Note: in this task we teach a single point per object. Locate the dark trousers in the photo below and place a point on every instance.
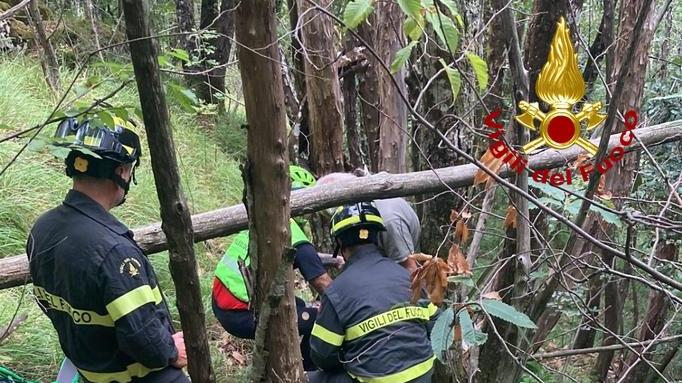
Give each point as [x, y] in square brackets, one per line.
[242, 324]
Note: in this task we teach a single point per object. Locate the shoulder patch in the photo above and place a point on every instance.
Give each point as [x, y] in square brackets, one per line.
[130, 266]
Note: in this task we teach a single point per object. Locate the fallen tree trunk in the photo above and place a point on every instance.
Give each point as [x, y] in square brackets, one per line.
[229, 220]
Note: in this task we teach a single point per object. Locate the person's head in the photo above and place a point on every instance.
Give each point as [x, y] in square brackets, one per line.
[355, 224]
[102, 160]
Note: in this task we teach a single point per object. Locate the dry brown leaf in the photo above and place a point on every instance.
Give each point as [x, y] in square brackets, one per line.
[601, 189]
[421, 257]
[457, 261]
[491, 162]
[461, 234]
[492, 295]
[510, 218]
[583, 159]
[454, 215]
[433, 276]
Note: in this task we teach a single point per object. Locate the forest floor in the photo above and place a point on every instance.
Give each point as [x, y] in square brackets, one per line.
[208, 152]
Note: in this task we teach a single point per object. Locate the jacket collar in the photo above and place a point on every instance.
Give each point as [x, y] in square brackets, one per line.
[91, 208]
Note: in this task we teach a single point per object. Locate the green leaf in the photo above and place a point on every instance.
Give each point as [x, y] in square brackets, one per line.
[184, 96]
[93, 81]
[86, 151]
[164, 61]
[401, 57]
[480, 68]
[5, 127]
[453, 77]
[470, 335]
[573, 207]
[463, 279]
[180, 54]
[411, 8]
[549, 190]
[445, 30]
[356, 12]
[138, 113]
[60, 151]
[106, 118]
[413, 29]
[121, 113]
[507, 313]
[442, 335]
[452, 7]
[36, 145]
[607, 216]
[549, 201]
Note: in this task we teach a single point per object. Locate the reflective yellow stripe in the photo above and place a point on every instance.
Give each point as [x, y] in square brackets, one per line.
[133, 299]
[432, 309]
[135, 370]
[356, 219]
[387, 318]
[403, 376]
[79, 317]
[327, 336]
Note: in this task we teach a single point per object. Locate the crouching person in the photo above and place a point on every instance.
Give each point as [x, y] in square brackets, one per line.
[231, 295]
[367, 330]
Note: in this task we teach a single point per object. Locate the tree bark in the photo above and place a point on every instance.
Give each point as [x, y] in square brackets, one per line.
[325, 104]
[226, 221]
[90, 13]
[368, 91]
[219, 19]
[601, 43]
[278, 357]
[653, 322]
[175, 215]
[184, 11]
[48, 60]
[620, 178]
[350, 104]
[393, 117]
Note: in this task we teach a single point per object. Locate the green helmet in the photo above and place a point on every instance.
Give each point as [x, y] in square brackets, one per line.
[300, 178]
[356, 224]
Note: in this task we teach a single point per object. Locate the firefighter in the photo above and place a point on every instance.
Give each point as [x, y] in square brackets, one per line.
[91, 278]
[231, 295]
[403, 229]
[367, 330]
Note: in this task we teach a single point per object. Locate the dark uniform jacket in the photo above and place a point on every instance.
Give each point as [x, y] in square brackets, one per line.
[101, 294]
[367, 325]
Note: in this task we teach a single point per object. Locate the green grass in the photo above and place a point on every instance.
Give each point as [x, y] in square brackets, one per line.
[36, 183]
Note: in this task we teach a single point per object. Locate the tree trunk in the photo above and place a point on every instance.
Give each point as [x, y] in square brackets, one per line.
[587, 331]
[303, 147]
[619, 179]
[653, 322]
[49, 58]
[184, 11]
[278, 357]
[393, 118]
[230, 220]
[369, 94]
[175, 214]
[546, 14]
[90, 13]
[601, 43]
[665, 361]
[349, 77]
[325, 104]
[219, 19]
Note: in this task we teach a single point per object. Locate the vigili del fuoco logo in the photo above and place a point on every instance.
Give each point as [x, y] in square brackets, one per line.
[560, 84]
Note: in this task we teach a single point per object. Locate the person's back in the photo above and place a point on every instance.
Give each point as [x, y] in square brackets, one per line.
[367, 329]
[403, 229]
[90, 277]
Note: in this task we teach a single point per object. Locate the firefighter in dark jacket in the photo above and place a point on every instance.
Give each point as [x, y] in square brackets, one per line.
[91, 278]
[367, 330]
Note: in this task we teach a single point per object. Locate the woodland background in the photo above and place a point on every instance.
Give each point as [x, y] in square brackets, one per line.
[396, 86]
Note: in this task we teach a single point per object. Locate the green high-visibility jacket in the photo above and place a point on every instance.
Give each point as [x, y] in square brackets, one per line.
[228, 268]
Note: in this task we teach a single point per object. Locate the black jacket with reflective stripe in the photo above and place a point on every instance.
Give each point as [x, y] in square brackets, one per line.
[101, 294]
[367, 325]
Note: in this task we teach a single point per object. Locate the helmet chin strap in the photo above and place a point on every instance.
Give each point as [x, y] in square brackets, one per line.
[125, 185]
